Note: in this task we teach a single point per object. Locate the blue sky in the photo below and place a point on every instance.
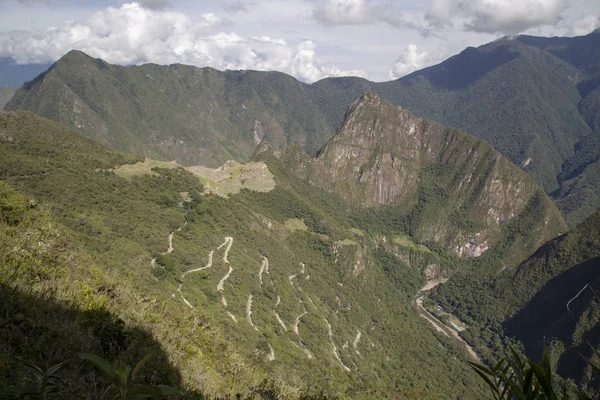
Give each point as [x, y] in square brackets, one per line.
[309, 39]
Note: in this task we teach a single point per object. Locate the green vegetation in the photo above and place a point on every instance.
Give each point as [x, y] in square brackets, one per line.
[86, 263]
[516, 378]
[128, 171]
[295, 224]
[406, 241]
[535, 100]
[122, 379]
[528, 304]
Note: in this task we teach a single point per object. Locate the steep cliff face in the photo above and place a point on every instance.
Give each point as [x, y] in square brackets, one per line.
[457, 189]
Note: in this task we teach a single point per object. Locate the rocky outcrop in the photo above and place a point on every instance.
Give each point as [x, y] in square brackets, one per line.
[459, 189]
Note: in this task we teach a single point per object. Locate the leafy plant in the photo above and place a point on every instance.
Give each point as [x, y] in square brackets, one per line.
[519, 378]
[122, 379]
[46, 379]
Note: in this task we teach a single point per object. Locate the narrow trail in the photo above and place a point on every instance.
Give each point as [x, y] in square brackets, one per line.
[222, 281]
[183, 298]
[304, 349]
[170, 249]
[335, 349]
[277, 315]
[291, 279]
[231, 316]
[271, 356]
[228, 241]
[437, 324]
[356, 341]
[249, 312]
[297, 322]
[208, 265]
[264, 268]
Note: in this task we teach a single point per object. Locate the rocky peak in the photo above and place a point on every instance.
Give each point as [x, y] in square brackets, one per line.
[384, 155]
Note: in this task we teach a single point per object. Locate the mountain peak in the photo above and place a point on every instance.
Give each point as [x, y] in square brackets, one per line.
[383, 155]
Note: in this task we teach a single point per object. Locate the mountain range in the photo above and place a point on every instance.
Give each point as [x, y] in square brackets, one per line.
[533, 99]
[264, 238]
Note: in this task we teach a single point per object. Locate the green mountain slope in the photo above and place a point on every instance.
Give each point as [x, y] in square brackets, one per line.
[454, 189]
[531, 98]
[262, 293]
[193, 115]
[550, 299]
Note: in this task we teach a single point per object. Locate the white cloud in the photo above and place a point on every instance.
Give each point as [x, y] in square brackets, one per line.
[495, 16]
[585, 25]
[133, 34]
[344, 12]
[365, 12]
[155, 4]
[235, 7]
[306, 65]
[409, 61]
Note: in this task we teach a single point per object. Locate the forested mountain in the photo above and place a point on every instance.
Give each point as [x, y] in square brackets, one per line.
[290, 248]
[279, 286]
[533, 99]
[454, 189]
[550, 300]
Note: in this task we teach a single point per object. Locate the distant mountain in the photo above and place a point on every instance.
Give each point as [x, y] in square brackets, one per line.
[6, 93]
[533, 99]
[192, 115]
[14, 74]
[457, 190]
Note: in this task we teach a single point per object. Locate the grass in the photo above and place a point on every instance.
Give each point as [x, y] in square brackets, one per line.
[295, 224]
[406, 241]
[347, 242]
[357, 232]
[224, 181]
[128, 171]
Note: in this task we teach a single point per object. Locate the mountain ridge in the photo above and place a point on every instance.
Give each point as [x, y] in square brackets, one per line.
[384, 156]
[525, 102]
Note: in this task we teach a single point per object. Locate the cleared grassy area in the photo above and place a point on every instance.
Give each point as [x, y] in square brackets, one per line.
[347, 242]
[223, 181]
[128, 171]
[295, 224]
[357, 231]
[406, 241]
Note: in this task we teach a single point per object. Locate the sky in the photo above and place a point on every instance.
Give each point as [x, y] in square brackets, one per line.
[308, 39]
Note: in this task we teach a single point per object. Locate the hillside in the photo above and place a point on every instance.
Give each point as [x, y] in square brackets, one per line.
[193, 115]
[273, 292]
[549, 299]
[531, 98]
[453, 189]
[6, 93]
